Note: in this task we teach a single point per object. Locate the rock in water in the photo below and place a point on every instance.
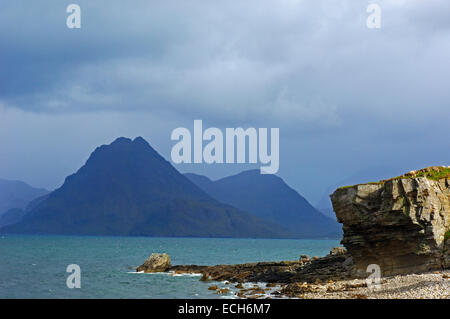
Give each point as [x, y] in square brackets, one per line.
[401, 224]
[156, 263]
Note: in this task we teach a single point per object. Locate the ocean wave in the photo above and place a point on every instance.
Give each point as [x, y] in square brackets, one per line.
[170, 273]
[187, 275]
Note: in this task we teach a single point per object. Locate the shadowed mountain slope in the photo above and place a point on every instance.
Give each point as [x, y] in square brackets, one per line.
[269, 197]
[127, 188]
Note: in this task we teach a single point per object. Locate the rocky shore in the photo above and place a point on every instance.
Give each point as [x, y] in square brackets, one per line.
[328, 277]
[330, 267]
[432, 285]
[400, 226]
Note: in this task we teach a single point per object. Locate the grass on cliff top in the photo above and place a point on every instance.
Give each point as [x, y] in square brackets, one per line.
[447, 235]
[434, 173]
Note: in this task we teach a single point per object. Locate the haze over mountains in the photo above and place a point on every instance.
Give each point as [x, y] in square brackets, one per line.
[127, 188]
[269, 197]
[17, 194]
[14, 197]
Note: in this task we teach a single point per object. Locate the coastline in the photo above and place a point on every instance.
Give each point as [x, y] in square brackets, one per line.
[328, 277]
[428, 285]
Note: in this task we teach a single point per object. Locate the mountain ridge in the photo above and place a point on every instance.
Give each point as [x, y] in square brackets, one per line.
[269, 197]
[127, 188]
[16, 194]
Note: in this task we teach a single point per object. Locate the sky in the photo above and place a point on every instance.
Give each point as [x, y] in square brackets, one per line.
[346, 98]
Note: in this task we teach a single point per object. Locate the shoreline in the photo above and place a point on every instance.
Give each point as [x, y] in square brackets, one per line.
[428, 285]
[328, 277]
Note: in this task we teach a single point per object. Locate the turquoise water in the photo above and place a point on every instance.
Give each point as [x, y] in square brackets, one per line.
[35, 266]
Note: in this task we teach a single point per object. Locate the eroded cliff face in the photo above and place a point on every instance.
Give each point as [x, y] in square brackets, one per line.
[399, 224]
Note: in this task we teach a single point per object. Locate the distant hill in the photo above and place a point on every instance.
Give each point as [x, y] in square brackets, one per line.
[127, 188]
[269, 197]
[11, 216]
[17, 194]
[15, 215]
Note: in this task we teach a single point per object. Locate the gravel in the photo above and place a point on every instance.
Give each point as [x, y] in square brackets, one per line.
[434, 285]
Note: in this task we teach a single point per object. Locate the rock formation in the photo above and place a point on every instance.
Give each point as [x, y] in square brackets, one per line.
[337, 265]
[401, 224]
[155, 263]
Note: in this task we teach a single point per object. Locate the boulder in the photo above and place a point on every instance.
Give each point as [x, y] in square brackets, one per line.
[338, 251]
[155, 263]
[398, 224]
[304, 258]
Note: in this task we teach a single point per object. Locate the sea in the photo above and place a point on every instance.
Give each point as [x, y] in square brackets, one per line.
[36, 266]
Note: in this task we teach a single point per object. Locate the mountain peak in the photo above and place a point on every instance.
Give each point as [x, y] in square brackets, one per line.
[121, 140]
[141, 140]
[126, 140]
[127, 188]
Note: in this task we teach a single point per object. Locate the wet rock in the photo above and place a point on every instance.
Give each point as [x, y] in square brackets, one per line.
[251, 272]
[334, 267]
[257, 291]
[223, 291]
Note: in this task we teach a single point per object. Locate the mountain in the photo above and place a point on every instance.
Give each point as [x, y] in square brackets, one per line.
[17, 194]
[127, 188]
[269, 197]
[11, 216]
[14, 215]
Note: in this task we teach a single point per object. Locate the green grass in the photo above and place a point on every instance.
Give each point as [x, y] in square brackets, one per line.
[434, 173]
[447, 235]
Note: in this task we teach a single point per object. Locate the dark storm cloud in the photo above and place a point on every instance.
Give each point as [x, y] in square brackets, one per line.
[307, 61]
[337, 90]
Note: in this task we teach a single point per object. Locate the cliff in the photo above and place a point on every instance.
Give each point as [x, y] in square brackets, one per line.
[401, 224]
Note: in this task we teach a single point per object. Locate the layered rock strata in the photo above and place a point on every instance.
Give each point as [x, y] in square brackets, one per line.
[401, 224]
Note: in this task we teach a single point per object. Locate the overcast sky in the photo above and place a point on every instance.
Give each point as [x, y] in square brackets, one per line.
[346, 98]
